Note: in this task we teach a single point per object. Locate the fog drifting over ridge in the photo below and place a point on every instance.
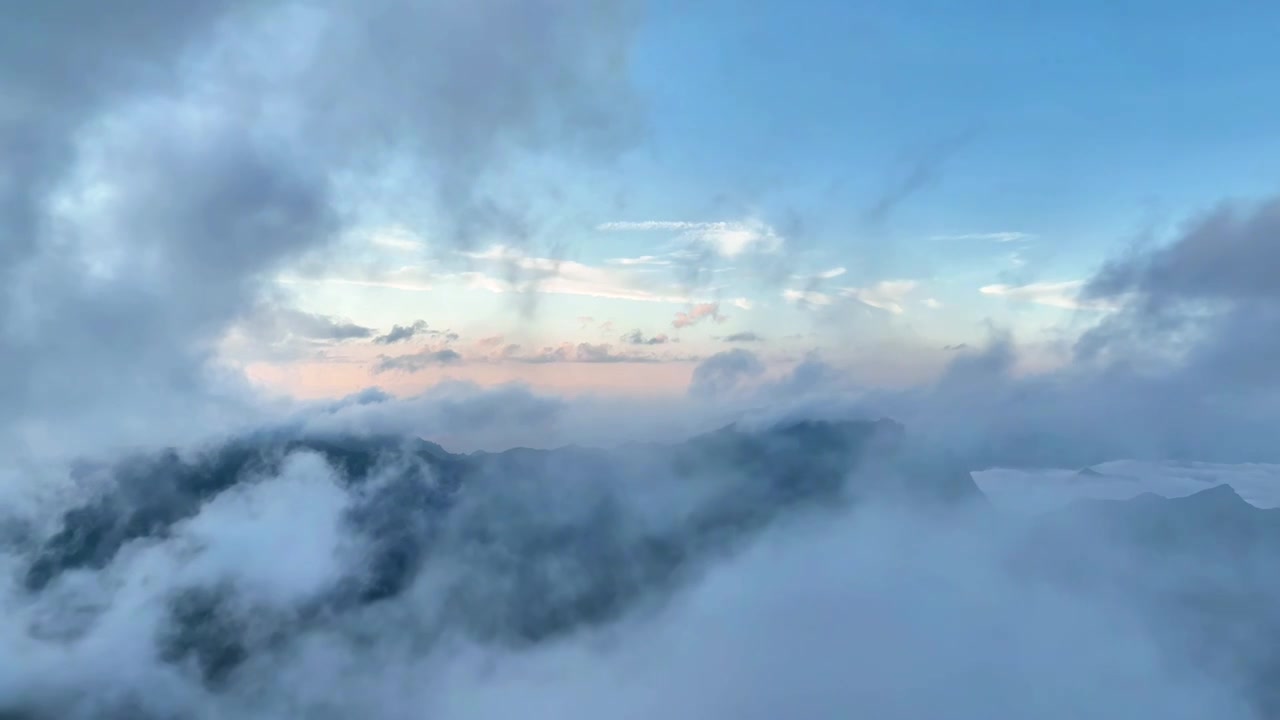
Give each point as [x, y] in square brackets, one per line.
[175, 542]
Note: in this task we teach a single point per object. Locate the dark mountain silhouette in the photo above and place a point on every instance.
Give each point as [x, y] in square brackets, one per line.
[504, 513]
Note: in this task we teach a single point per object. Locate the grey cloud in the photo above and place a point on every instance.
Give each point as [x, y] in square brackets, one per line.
[279, 322]
[417, 362]
[637, 337]
[723, 372]
[581, 353]
[744, 337]
[400, 333]
[148, 202]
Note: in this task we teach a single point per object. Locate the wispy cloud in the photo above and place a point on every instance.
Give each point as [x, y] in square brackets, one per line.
[562, 277]
[1000, 237]
[727, 239]
[1064, 294]
[580, 353]
[395, 238]
[887, 295]
[806, 297]
[743, 337]
[409, 278]
[641, 260]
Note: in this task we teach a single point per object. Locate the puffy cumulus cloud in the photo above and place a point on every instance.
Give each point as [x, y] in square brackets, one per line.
[698, 313]
[146, 205]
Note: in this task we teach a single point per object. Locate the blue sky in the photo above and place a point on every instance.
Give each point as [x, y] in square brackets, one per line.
[874, 180]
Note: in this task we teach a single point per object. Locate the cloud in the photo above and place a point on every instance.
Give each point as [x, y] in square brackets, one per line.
[1000, 237]
[742, 303]
[641, 260]
[418, 361]
[698, 313]
[887, 295]
[1065, 295]
[587, 353]
[561, 277]
[400, 333]
[636, 337]
[153, 201]
[271, 322]
[726, 238]
[743, 337]
[723, 372]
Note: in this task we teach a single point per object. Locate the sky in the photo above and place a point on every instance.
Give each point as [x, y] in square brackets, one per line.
[879, 183]
[1043, 216]
[1038, 237]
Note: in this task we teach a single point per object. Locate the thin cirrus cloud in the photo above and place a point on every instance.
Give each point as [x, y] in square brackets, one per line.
[1065, 295]
[562, 277]
[728, 239]
[886, 295]
[1000, 237]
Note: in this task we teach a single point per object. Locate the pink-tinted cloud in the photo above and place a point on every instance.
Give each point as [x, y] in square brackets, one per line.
[699, 312]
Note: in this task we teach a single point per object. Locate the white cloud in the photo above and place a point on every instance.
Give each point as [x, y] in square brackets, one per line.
[887, 295]
[726, 238]
[410, 278]
[931, 303]
[806, 297]
[742, 303]
[562, 277]
[1002, 237]
[395, 237]
[1064, 294]
[642, 260]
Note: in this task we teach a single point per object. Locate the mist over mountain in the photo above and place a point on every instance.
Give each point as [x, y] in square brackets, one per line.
[472, 359]
[184, 583]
